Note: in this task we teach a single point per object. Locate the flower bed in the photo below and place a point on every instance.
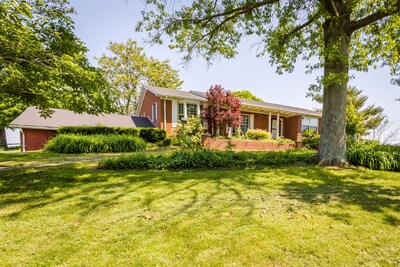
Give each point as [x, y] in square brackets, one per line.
[249, 145]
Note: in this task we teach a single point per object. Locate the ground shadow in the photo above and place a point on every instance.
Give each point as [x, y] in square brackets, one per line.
[38, 187]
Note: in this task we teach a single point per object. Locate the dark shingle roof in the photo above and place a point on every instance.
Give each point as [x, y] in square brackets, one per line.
[266, 105]
[142, 122]
[173, 93]
[31, 118]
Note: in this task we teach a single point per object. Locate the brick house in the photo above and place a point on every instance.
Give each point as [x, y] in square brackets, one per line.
[35, 130]
[165, 107]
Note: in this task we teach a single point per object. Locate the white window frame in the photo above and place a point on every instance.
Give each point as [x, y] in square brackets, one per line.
[309, 123]
[185, 105]
[154, 112]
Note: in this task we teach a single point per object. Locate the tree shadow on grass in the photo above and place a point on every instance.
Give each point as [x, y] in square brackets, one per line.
[360, 188]
[95, 189]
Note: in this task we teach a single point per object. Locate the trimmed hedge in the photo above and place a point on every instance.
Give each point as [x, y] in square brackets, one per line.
[152, 135]
[72, 143]
[208, 159]
[95, 130]
[374, 156]
[258, 134]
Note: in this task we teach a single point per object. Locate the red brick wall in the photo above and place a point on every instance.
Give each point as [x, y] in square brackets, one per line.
[36, 139]
[169, 115]
[261, 121]
[292, 127]
[250, 145]
[148, 102]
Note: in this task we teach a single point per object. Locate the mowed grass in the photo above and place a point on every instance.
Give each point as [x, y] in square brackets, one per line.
[78, 215]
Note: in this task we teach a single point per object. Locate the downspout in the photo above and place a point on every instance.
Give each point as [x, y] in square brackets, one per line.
[23, 141]
[165, 113]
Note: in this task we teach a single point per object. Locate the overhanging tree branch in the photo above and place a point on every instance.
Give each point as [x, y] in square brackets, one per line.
[358, 24]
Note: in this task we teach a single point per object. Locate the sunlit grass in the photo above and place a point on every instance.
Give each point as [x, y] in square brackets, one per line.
[80, 215]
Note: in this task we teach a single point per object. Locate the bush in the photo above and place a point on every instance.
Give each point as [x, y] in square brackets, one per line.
[165, 142]
[153, 135]
[310, 138]
[95, 130]
[208, 159]
[258, 134]
[374, 156]
[281, 141]
[72, 143]
[188, 135]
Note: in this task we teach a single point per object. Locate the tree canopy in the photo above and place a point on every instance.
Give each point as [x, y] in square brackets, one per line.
[340, 34]
[128, 68]
[360, 119]
[43, 63]
[246, 94]
[222, 108]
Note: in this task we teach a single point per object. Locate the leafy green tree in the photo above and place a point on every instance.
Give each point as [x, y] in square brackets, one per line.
[360, 120]
[128, 68]
[341, 34]
[246, 94]
[43, 63]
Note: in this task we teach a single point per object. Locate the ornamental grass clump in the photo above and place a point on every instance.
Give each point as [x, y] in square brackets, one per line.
[70, 143]
[374, 156]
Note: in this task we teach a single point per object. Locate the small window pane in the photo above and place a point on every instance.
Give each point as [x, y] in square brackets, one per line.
[191, 110]
[180, 111]
[244, 126]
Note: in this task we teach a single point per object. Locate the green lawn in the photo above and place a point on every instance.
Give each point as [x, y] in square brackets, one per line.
[77, 214]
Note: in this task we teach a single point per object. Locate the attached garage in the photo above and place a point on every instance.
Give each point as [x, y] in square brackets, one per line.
[36, 130]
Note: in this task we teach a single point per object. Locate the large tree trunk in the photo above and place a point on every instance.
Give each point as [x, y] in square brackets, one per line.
[333, 133]
[3, 140]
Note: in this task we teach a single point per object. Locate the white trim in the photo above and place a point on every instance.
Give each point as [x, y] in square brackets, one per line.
[269, 122]
[141, 99]
[34, 127]
[23, 143]
[251, 121]
[198, 109]
[185, 109]
[278, 125]
[174, 113]
[165, 113]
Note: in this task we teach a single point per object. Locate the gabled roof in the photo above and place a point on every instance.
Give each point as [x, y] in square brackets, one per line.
[31, 119]
[158, 91]
[247, 105]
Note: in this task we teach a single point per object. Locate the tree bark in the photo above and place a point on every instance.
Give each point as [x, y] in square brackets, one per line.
[3, 139]
[332, 150]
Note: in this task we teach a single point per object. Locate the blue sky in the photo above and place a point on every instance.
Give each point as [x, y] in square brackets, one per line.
[98, 22]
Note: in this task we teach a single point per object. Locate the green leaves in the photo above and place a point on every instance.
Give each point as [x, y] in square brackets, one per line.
[43, 63]
[128, 67]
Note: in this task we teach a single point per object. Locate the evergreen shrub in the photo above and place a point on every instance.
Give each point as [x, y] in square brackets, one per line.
[208, 159]
[258, 134]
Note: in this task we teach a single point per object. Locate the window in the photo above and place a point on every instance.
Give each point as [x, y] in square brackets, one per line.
[244, 126]
[309, 123]
[191, 110]
[154, 112]
[180, 111]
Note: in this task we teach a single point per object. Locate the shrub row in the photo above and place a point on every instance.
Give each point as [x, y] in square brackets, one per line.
[151, 135]
[70, 143]
[208, 159]
[374, 156]
[94, 130]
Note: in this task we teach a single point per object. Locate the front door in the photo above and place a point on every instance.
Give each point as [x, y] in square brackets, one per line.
[274, 128]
